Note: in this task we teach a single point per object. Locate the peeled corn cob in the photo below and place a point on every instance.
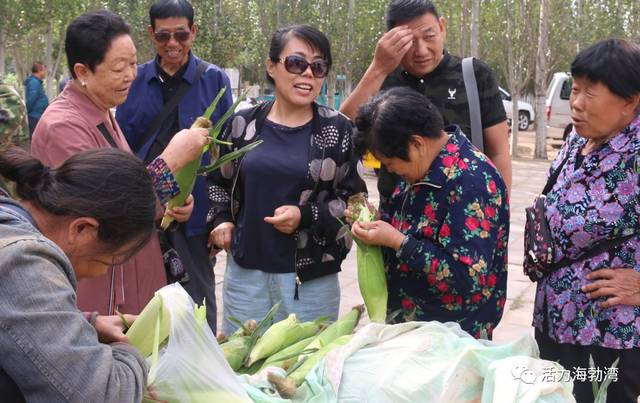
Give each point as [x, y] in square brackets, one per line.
[371, 276]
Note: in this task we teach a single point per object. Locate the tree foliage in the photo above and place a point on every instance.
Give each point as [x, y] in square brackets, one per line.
[236, 33]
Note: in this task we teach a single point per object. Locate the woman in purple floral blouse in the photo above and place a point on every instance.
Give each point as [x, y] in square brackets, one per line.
[446, 226]
[592, 305]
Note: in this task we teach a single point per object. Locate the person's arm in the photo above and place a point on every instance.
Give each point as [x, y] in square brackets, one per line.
[496, 147]
[466, 243]
[390, 50]
[49, 349]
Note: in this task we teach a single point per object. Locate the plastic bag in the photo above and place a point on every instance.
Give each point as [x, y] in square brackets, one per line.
[192, 368]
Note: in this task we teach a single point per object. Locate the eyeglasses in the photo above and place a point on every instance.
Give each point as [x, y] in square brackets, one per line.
[165, 36]
[295, 64]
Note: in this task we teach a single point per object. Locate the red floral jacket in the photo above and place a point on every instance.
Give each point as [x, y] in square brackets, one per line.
[454, 265]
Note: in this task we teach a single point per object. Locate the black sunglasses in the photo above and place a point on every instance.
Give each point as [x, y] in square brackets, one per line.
[295, 64]
[165, 36]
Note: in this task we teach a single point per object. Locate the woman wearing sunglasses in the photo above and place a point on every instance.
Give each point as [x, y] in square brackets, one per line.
[276, 210]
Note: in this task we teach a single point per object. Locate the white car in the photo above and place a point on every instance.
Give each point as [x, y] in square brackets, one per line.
[526, 115]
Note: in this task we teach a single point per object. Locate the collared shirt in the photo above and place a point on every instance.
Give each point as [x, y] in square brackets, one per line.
[453, 267]
[145, 102]
[444, 87]
[592, 202]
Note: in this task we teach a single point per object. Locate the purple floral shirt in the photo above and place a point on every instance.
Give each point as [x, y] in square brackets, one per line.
[591, 203]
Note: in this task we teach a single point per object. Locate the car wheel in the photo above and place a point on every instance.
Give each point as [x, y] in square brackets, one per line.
[523, 120]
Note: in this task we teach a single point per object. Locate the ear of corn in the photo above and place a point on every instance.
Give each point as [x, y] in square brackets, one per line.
[288, 356]
[278, 336]
[186, 177]
[287, 387]
[372, 280]
[341, 327]
[141, 333]
[235, 350]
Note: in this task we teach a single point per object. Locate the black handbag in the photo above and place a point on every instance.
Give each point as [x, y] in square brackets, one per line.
[539, 249]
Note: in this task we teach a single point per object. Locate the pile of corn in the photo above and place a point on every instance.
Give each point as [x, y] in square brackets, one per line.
[289, 344]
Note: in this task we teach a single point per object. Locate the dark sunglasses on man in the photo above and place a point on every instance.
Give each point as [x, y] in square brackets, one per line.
[295, 64]
[165, 36]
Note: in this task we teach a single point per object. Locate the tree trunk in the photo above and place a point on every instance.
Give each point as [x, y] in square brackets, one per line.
[3, 57]
[475, 28]
[331, 89]
[464, 32]
[541, 82]
[48, 61]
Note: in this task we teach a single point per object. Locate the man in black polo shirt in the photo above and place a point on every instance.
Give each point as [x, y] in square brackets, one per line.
[412, 54]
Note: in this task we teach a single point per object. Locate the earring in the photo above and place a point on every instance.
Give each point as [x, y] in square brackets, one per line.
[82, 83]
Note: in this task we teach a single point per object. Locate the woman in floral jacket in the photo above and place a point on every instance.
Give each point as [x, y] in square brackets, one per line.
[445, 227]
[591, 305]
[276, 209]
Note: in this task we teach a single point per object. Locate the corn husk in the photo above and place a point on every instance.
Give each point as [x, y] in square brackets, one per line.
[186, 177]
[287, 387]
[141, 334]
[285, 358]
[281, 335]
[235, 350]
[372, 279]
[341, 327]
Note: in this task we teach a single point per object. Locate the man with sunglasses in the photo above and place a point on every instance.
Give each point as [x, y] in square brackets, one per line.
[168, 94]
[411, 53]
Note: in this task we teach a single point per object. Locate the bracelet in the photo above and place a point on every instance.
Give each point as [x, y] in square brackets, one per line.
[92, 318]
[404, 242]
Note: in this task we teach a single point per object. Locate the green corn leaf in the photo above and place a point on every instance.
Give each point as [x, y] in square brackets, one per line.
[228, 158]
[212, 107]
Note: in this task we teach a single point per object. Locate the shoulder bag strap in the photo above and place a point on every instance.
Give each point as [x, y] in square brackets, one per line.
[471, 87]
[168, 108]
[554, 176]
[107, 135]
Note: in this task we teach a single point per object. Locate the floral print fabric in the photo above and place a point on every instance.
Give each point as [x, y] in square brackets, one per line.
[453, 266]
[592, 202]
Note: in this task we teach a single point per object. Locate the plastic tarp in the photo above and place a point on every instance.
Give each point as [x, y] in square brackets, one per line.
[424, 362]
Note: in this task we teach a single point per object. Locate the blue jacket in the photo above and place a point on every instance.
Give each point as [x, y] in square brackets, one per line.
[145, 102]
[35, 97]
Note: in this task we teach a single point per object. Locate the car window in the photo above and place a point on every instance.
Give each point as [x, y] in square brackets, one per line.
[565, 92]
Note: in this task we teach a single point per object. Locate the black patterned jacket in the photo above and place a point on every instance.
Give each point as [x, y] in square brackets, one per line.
[334, 174]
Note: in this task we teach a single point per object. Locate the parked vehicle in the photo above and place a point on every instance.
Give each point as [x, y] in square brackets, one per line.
[526, 115]
[557, 103]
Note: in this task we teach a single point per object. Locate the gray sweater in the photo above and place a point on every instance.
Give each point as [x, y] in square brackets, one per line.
[48, 350]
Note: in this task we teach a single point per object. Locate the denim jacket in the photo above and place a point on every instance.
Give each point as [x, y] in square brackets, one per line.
[50, 352]
[334, 174]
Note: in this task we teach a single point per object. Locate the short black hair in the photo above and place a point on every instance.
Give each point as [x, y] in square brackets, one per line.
[170, 8]
[615, 62]
[37, 66]
[386, 122]
[401, 11]
[89, 38]
[312, 36]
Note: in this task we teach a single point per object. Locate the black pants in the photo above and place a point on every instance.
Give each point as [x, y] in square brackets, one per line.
[195, 258]
[570, 356]
[33, 122]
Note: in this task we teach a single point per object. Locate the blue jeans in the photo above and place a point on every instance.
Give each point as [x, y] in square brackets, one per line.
[249, 294]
